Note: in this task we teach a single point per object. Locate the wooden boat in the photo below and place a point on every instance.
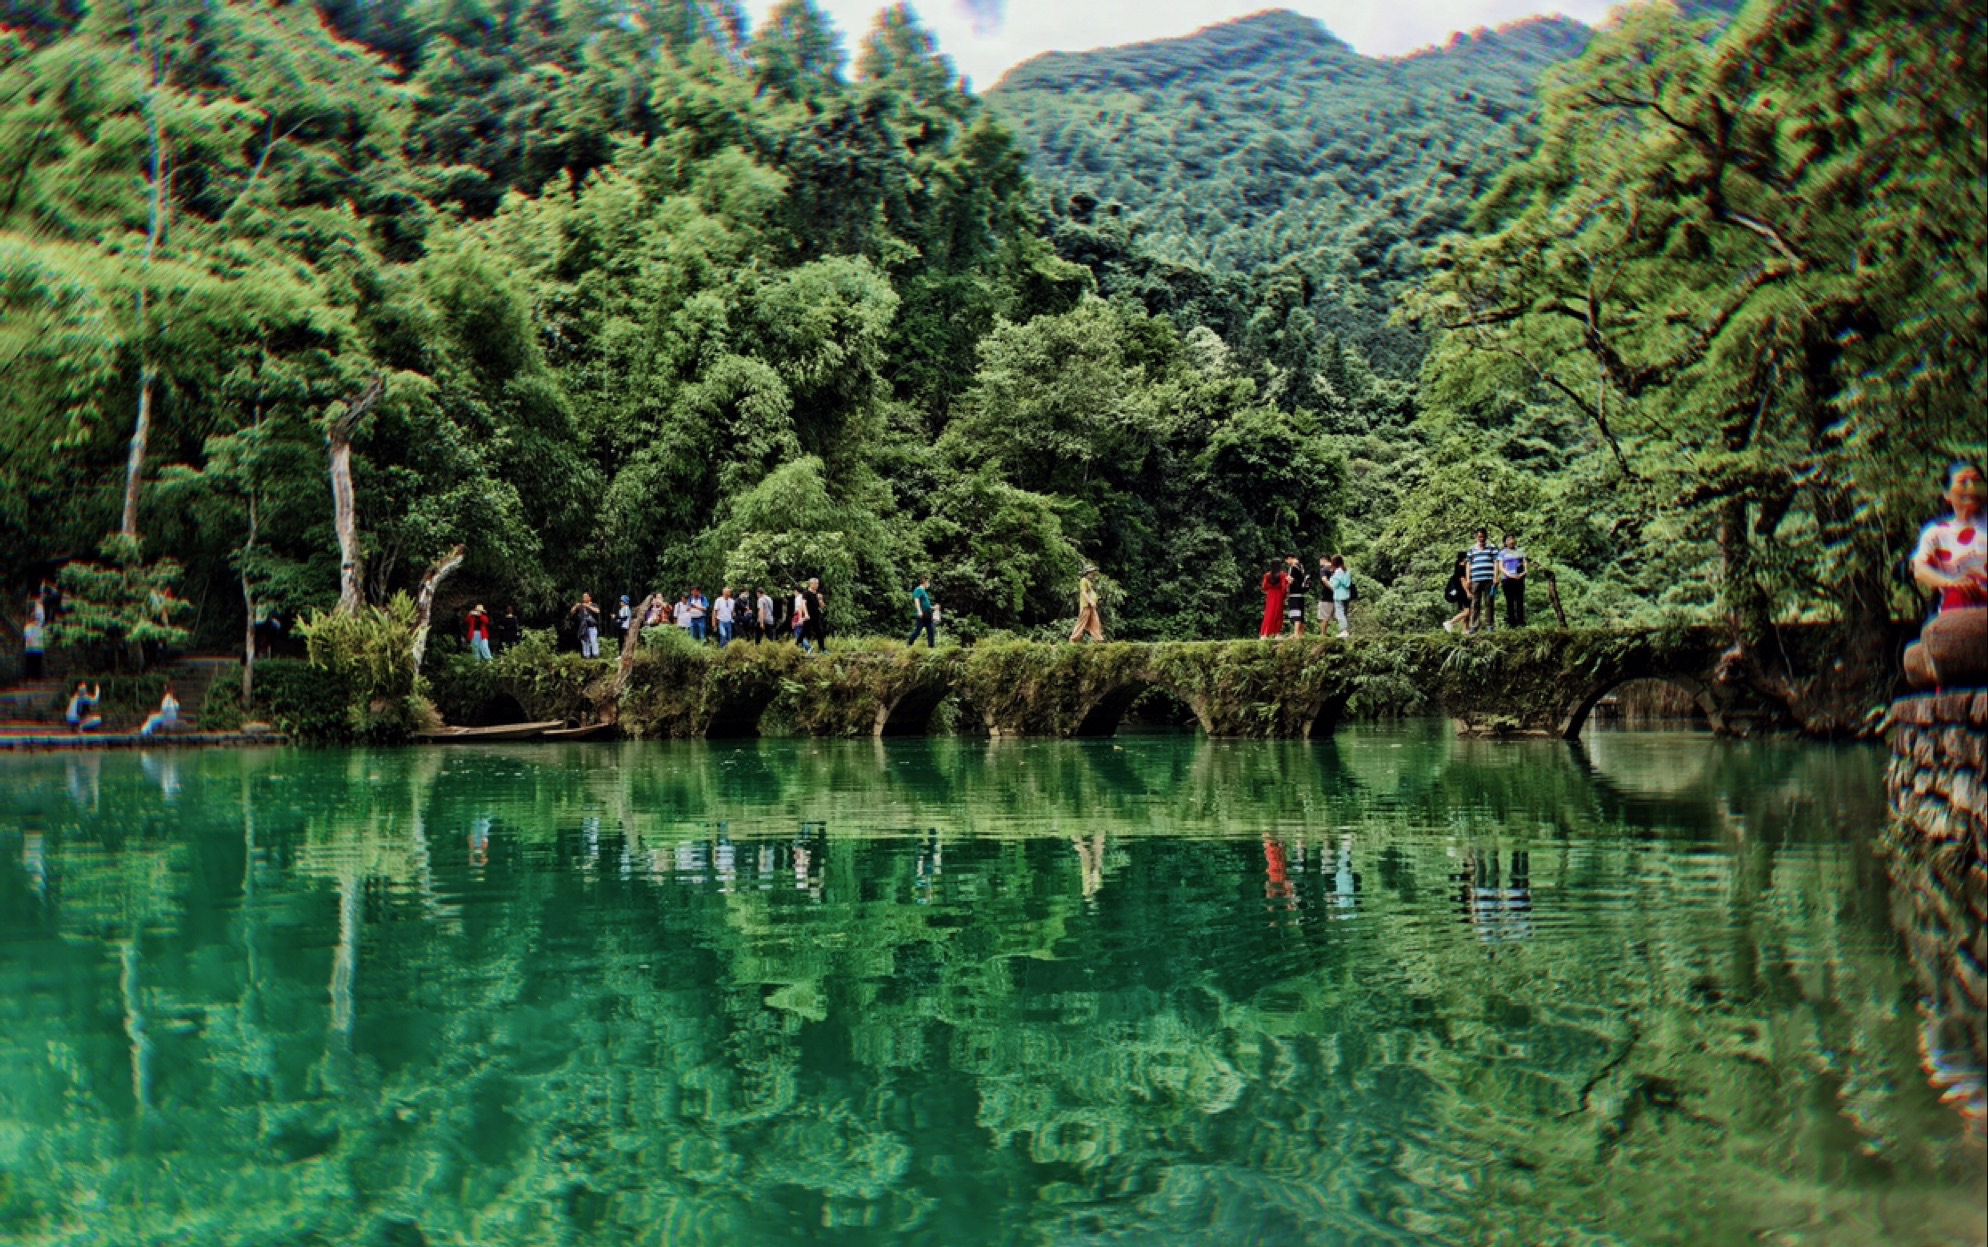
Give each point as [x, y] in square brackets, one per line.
[586, 731]
[503, 731]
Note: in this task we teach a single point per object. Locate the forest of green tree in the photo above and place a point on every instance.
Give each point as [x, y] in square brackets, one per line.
[1267, 147]
[1694, 306]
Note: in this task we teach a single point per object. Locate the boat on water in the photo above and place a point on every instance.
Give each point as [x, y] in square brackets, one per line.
[503, 731]
[586, 731]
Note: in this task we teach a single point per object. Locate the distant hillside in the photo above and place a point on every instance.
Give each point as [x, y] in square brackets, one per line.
[1267, 142]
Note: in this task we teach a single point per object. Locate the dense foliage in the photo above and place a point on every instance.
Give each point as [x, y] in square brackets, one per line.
[1749, 275]
[1268, 147]
[656, 303]
[659, 301]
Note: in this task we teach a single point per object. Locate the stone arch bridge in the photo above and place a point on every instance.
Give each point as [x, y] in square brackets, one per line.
[1532, 682]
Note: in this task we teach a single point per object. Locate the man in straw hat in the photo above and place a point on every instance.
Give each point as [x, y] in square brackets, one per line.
[1088, 622]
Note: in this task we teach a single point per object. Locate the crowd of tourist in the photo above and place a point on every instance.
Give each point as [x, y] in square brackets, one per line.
[1477, 578]
[753, 615]
[1286, 585]
[1950, 560]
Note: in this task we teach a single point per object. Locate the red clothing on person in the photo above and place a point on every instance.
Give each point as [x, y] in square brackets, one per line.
[1275, 586]
[479, 626]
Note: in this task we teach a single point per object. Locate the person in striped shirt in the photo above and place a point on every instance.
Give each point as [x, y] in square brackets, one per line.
[1483, 560]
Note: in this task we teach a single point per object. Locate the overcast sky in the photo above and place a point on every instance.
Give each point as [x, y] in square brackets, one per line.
[987, 37]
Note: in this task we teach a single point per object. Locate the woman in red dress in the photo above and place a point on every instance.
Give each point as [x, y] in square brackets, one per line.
[1275, 585]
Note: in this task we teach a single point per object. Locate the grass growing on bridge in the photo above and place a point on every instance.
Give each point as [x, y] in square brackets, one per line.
[1530, 681]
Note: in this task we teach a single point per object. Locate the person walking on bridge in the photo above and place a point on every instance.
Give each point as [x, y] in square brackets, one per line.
[1456, 591]
[1088, 623]
[1276, 584]
[477, 625]
[1483, 561]
[921, 615]
[587, 620]
[1512, 580]
[1341, 584]
[817, 613]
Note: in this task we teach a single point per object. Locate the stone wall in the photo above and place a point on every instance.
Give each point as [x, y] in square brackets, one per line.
[1937, 855]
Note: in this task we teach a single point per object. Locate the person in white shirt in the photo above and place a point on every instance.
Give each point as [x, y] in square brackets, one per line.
[724, 610]
[800, 621]
[1951, 560]
[165, 716]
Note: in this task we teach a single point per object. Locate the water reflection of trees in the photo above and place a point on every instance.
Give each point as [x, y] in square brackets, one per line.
[739, 994]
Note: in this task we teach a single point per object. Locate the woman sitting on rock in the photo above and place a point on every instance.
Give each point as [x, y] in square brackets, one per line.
[1952, 560]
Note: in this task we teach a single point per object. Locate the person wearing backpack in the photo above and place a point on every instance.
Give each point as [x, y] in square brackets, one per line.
[1344, 593]
[1457, 593]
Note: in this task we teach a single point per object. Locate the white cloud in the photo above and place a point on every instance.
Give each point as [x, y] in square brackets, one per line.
[984, 48]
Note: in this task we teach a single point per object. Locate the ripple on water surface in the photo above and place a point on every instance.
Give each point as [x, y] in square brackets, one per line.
[1388, 988]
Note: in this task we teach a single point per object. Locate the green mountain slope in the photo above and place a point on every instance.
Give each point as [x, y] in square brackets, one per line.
[1267, 141]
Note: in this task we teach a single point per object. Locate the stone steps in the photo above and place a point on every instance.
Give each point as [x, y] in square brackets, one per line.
[38, 705]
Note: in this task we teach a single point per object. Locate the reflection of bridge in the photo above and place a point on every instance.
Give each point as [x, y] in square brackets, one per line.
[1534, 682]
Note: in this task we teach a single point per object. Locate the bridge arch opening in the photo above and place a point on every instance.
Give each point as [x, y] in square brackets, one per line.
[1646, 702]
[911, 714]
[1326, 719]
[1138, 705]
[1157, 709]
[737, 716]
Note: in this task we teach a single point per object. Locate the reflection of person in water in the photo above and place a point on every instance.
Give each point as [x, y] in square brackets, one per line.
[1278, 895]
[810, 869]
[34, 861]
[84, 776]
[1500, 913]
[931, 860]
[479, 841]
[1345, 882]
[724, 859]
[162, 771]
[1090, 862]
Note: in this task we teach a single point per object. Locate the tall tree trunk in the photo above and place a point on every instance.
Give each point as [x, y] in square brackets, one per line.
[344, 509]
[141, 434]
[424, 599]
[1553, 597]
[1746, 606]
[155, 232]
[629, 645]
[248, 606]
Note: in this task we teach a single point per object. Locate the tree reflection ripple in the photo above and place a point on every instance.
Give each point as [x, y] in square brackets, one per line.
[1387, 988]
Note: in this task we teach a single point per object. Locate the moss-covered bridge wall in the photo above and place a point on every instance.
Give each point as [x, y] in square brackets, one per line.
[1530, 683]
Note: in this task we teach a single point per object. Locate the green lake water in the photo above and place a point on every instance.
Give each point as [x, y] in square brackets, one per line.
[1387, 988]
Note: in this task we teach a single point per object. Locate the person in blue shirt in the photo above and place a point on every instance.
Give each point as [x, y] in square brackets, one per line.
[1341, 584]
[1483, 560]
[921, 608]
[82, 714]
[1512, 579]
